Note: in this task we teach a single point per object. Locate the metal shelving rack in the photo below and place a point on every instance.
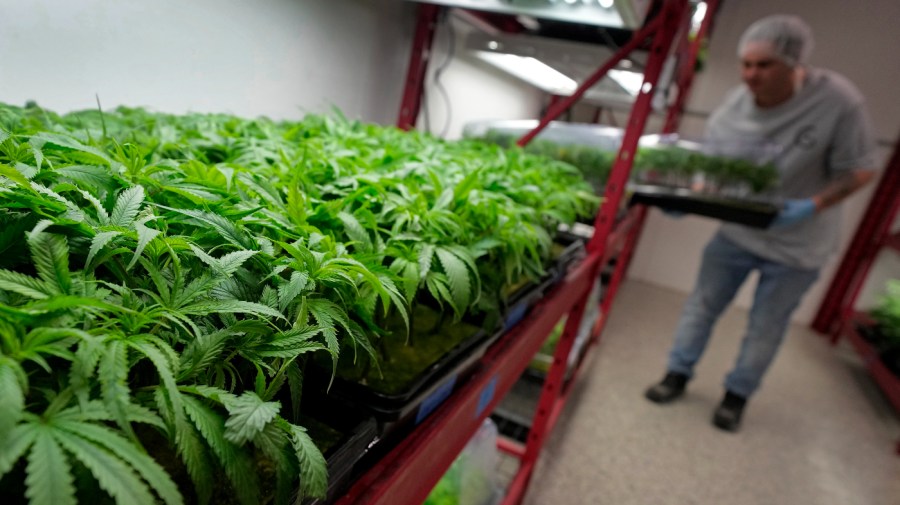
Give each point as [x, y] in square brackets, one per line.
[406, 474]
[837, 315]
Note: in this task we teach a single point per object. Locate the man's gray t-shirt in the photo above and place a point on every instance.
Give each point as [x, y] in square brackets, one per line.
[821, 132]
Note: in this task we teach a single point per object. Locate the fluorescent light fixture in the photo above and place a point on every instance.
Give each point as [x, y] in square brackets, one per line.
[630, 81]
[627, 14]
[697, 18]
[532, 71]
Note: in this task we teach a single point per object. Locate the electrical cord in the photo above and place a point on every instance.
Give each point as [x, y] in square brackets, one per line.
[436, 77]
[451, 50]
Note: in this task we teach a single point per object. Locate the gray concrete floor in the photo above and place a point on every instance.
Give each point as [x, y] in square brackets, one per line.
[817, 432]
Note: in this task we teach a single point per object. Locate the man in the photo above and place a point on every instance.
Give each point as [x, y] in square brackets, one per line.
[826, 152]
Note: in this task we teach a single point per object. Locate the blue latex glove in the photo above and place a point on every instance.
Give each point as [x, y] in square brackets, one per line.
[793, 212]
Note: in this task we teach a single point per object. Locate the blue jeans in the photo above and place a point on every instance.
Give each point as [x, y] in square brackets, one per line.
[725, 267]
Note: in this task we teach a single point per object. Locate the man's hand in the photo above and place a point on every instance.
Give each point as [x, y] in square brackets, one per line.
[794, 211]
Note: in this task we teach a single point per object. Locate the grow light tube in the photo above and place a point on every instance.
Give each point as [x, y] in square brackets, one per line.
[531, 70]
[630, 81]
[628, 14]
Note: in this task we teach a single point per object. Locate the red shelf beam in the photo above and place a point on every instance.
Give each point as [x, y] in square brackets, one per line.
[872, 232]
[419, 58]
[893, 242]
[407, 474]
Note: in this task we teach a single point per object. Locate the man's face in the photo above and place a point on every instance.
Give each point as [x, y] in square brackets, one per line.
[770, 80]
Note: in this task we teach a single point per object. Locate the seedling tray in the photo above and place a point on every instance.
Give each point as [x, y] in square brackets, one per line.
[522, 299]
[755, 213]
[397, 405]
[343, 432]
[573, 252]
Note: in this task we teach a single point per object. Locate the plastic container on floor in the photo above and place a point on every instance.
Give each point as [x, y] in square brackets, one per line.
[471, 479]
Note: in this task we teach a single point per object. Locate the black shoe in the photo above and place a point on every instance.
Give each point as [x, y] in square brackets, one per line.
[728, 414]
[671, 387]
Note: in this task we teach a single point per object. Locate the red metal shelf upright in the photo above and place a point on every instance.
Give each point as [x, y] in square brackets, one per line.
[837, 315]
[873, 233]
[408, 472]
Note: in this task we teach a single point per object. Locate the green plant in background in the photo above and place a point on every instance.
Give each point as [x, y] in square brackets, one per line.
[667, 165]
[887, 313]
[164, 280]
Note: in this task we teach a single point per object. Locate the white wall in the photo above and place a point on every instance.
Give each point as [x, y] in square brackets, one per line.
[858, 42]
[475, 91]
[279, 58]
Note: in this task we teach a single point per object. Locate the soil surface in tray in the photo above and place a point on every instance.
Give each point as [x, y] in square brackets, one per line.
[404, 359]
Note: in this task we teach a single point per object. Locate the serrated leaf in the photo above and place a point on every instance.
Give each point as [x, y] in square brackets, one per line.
[12, 406]
[248, 416]
[102, 215]
[230, 307]
[145, 236]
[48, 475]
[36, 145]
[458, 278]
[68, 142]
[146, 466]
[426, 253]
[15, 176]
[290, 290]
[313, 469]
[193, 453]
[328, 316]
[73, 211]
[82, 370]
[113, 375]
[437, 286]
[203, 351]
[24, 285]
[228, 264]
[13, 446]
[355, 231]
[237, 464]
[164, 370]
[221, 225]
[128, 204]
[98, 243]
[50, 254]
[114, 475]
[88, 175]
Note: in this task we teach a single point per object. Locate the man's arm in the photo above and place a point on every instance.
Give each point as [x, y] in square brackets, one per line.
[842, 187]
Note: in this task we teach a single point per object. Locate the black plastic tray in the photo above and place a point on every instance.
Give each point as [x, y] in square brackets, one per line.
[422, 395]
[575, 251]
[359, 431]
[758, 214]
[521, 300]
[518, 303]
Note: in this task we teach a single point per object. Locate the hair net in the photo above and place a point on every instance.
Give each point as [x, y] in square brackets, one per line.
[791, 39]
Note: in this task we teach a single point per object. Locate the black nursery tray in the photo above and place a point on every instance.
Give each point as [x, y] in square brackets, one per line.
[400, 399]
[569, 249]
[343, 432]
[758, 214]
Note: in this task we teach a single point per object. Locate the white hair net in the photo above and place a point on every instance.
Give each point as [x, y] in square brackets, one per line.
[791, 39]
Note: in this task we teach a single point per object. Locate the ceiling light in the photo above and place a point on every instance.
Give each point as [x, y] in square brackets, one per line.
[697, 18]
[629, 14]
[630, 81]
[532, 71]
